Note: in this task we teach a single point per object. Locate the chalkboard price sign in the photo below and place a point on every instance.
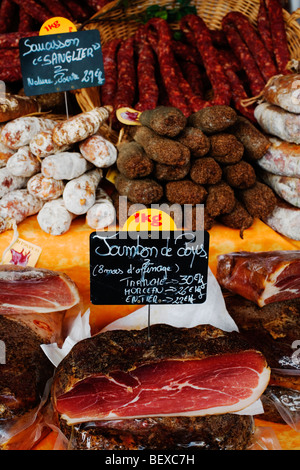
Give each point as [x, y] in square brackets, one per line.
[61, 62]
[148, 269]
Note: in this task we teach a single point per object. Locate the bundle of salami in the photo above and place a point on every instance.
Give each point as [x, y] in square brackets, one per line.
[205, 159]
[202, 69]
[279, 116]
[54, 169]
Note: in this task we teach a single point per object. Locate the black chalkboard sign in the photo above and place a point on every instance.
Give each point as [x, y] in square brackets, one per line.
[61, 62]
[149, 269]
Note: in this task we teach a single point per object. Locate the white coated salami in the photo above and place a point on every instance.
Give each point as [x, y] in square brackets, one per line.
[282, 158]
[286, 187]
[81, 126]
[102, 213]
[54, 218]
[275, 121]
[285, 219]
[42, 145]
[284, 91]
[45, 188]
[65, 166]
[16, 206]
[9, 182]
[19, 132]
[80, 193]
[5, 154]
[23, 163]
[99, 151]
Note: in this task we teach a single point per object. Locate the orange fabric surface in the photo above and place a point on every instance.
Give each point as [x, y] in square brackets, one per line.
[70, 253]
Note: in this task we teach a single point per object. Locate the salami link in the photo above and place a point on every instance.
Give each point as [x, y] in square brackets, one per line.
[97, 5]
[237, 89]
[126, 75]
[10, 74]
[58, 9]
[108, 90]
[255, 79]
[279, 37]
[186, 52]
[254, 43]
[11, 40]
[214, 70]
[263, 26]
[147, 85]
[37, 11]
[25, 21]
[179, 92]
[193, 76]
[7, 11]
[79, 11]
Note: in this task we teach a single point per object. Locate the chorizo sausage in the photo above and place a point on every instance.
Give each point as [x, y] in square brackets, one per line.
[34, 9]
[254, 43]
[109, 88]
[214, 70]
[263, 27]
[255, 79]
[126, 75]
[279, 37]
[7, 12]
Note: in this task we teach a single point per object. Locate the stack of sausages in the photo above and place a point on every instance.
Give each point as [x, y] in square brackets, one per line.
[202, 69]
[20, 19]
[55, 169]
[278, 114]
[206, 158]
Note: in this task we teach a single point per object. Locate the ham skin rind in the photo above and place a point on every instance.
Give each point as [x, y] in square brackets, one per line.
[262, 277]
[203, 371]
[27, 290]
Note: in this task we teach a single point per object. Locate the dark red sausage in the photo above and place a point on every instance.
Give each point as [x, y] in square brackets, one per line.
[193, 76]
[34, 9]
[279, 37]
[79, 10]
[108, 90]
[10, 74]
[147, 84]
[7, 12]
[186, 52]
[25, 21]
[195, 25]
[126, 75]
[57, 8]
[255, 79]
[11, 40]
[263, 26]
[97, 4]
[254, 43]
[179, 91]
[237, 88]
[160, 37]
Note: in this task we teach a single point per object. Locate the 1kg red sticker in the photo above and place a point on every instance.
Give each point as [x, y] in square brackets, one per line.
[57, 25]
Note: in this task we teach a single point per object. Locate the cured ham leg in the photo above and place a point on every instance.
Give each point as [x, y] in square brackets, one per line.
[181, 372]
[263, 277]
[32, 290]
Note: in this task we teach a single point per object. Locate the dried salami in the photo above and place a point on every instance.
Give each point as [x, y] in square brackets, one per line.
[254, 43]
[255, 79]
[7, 12]
[215, 72]
[126, 75]
[279, 37]
[34, 9]
[263, 26]
[109, 88]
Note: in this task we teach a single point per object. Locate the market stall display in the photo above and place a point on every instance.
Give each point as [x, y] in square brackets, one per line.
[212, 96]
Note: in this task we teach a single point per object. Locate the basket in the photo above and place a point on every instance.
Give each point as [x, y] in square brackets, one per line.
[113, 22]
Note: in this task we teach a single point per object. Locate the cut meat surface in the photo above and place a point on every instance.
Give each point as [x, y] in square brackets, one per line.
[180, 372]
[26, 290]
[263, 277]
